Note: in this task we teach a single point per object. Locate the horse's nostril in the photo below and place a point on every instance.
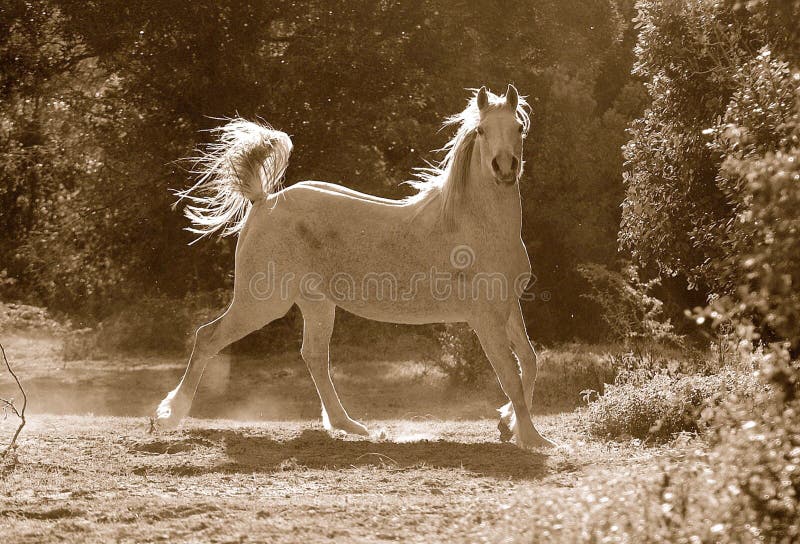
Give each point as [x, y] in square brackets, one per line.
[495, 166]
[514, 163]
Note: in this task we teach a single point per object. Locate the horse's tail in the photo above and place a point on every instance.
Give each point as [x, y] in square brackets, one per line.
[246, 164]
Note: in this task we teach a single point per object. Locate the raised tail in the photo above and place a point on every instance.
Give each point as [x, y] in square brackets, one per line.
[246, 164]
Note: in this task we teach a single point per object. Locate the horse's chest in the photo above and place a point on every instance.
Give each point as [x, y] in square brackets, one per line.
[510, 263]
[494, 253]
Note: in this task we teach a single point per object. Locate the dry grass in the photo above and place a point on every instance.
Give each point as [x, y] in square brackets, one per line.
[99, 479]
[434, 470]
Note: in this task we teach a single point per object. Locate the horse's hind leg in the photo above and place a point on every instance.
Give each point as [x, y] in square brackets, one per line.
[318, 318]
[238, 321]
[526, 355]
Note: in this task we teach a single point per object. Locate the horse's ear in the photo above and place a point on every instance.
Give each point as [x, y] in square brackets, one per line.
[512, 98]
[483, 99]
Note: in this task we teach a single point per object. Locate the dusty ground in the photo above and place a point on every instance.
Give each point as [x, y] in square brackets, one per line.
[423, 476]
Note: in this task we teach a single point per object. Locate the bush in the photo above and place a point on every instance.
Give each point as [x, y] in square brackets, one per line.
[79, 344]
[741, 487]
[25, 318]
[627, 305]
[462, 359]
[664, 406]
[757, 455]
[712, 194]
[568, 372]
[151, 324]
[745, 489]
[759, 138]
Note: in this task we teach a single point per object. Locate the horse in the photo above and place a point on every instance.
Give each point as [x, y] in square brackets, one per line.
[452, 252]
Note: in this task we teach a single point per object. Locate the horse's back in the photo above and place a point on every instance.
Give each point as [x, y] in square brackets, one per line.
[317, 226]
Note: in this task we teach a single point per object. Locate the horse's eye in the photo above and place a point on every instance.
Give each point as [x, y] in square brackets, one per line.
[479, 130]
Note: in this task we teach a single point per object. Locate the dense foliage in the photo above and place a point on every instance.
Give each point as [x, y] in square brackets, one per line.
[99, 99]
[712, 179]
[723, 86]
[712, 187]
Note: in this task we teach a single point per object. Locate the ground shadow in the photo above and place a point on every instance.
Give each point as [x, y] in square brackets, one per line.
[316, 449]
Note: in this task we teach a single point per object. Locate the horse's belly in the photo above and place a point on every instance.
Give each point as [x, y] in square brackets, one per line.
[423, 296]
[410, 313]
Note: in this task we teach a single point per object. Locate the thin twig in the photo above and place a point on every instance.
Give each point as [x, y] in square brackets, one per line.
[10, 405]
[380, 457]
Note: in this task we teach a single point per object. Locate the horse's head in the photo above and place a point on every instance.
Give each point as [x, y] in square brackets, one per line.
[487, 145]
[501, 127]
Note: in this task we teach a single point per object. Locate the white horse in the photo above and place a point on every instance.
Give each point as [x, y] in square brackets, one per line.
[450, 253]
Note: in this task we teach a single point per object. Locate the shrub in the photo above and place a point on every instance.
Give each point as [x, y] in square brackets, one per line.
[758, 455]
[744, 489]
[712, 193]
[760, 140]
[25, 318]
[664, 405]
[462, 359]
[79, 344]
[569, 371]
[151, 324]
[627, 305]
[7, 286]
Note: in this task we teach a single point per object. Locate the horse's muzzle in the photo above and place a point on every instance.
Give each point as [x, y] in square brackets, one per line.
[506, 180]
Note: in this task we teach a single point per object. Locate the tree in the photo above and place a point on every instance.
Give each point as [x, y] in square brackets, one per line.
[362, 89]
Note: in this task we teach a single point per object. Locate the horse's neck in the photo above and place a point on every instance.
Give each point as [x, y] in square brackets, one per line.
[498, 208]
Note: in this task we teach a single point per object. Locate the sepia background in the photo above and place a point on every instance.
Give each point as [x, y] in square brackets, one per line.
[661, 202]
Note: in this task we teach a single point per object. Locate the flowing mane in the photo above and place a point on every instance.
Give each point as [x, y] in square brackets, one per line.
[447, 179]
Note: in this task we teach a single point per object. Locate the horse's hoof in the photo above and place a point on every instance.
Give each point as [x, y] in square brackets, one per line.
[544, 443]
[169, 414]
[348, 426]
[535, 443]
[354, 427]
[165, 420]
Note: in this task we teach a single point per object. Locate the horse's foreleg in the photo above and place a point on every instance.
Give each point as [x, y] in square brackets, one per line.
[494, 340]
[318, 318]
[523, 349]
[526, 355]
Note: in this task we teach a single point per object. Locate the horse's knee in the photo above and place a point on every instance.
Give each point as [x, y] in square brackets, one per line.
[505, 367]
[203, 339]
[314, 356]
[205, 332]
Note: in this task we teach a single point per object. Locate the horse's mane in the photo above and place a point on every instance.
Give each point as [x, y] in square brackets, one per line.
[447, 180]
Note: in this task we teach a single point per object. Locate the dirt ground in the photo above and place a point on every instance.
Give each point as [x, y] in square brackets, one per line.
[432, 471]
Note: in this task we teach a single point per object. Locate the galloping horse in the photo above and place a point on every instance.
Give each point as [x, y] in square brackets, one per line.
[450, 253]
